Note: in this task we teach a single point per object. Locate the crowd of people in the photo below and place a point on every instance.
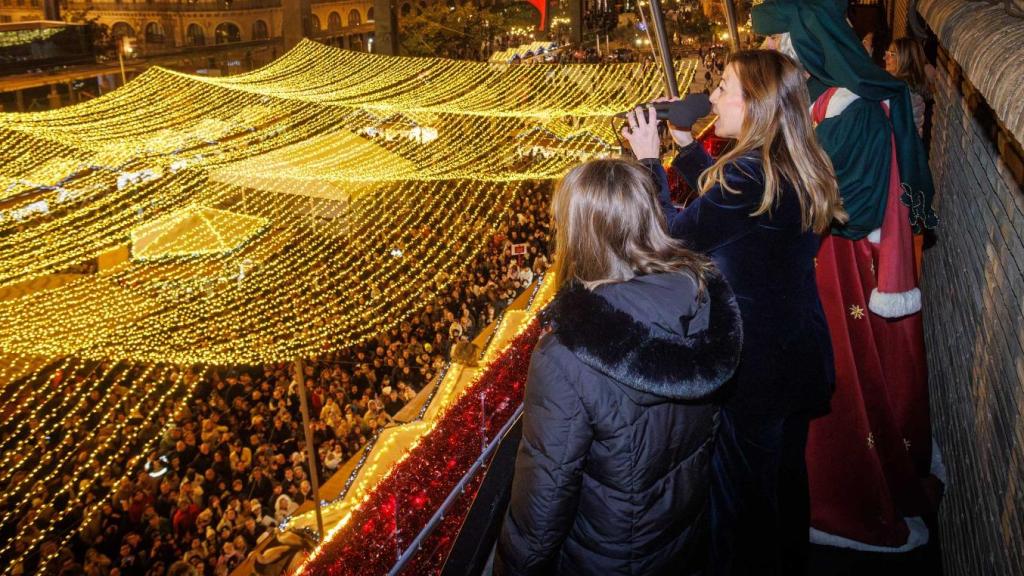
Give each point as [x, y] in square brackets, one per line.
[230, 464]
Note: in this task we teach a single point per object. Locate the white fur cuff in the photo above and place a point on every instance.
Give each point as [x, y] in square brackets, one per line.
[895, 304]
[918, 536]
[876, 236]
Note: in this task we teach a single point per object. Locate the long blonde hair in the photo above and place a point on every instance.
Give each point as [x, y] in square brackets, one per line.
[777, 123]
[910, 64]
[609, 227]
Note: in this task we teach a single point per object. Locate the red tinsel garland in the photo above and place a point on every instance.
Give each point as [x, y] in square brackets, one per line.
[400, 506]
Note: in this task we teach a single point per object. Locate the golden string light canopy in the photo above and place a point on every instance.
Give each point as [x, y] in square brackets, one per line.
[301, 207]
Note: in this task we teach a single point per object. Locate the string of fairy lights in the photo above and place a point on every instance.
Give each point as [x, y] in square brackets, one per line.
[106, 435]
[93, 467]
[301, 207]
[12, 38]
[55, 459]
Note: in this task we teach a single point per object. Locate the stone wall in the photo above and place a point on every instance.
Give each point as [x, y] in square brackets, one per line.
[974, 308]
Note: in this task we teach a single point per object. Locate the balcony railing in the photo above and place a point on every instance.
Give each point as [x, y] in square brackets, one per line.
[176, 6]
[345, 30]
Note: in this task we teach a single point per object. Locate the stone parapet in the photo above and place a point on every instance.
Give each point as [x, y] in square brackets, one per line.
[973, 284]
[987, 42]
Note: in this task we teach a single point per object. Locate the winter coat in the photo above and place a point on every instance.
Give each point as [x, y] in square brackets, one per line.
[768, 261]
[612, 472]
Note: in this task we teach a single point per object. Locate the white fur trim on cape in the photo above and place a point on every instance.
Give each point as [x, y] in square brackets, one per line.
[918, 537]
[876, 236]
[838, 103]
[895, 304]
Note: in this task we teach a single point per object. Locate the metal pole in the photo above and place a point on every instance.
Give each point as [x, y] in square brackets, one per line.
[734, 33]
[300, 381]
[671, 86]
[120, 59]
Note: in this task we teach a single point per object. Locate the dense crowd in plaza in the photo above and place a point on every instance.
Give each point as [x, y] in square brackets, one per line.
[230, 463]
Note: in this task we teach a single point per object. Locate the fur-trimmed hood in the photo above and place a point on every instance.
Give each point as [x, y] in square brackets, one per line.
[652, 333]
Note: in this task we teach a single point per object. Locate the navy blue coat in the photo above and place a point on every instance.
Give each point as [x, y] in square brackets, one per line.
[612, 475]
[768, 260]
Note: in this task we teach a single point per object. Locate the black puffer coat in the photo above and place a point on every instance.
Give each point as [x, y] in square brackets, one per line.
[612, 473]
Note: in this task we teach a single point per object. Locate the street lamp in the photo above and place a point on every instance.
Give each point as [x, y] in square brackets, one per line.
[125, 48]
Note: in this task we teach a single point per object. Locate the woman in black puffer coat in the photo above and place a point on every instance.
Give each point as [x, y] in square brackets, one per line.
[612, 473]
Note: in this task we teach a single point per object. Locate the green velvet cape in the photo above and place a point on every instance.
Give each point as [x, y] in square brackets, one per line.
[829, 50]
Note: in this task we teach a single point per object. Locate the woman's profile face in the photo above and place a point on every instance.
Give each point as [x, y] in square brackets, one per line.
[890, 59]
[727, 102]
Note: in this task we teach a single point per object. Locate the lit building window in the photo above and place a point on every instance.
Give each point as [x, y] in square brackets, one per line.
[122, 29]
[227, 32]
[259, 30]
[154, 33]
[194, 35]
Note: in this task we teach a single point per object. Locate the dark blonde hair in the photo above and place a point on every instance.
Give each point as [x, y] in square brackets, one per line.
[777, 123]
[910, 63]
[609, 227]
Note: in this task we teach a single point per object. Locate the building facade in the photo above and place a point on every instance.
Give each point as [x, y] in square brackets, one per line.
[21, 11]
[162, 26]
[346, 24]
[208, 37]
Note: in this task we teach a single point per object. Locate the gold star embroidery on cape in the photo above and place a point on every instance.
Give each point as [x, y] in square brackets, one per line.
[871, 440]
[906, 444]
[857, 312]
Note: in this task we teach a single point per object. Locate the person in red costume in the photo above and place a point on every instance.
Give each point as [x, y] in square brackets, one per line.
[870, 459]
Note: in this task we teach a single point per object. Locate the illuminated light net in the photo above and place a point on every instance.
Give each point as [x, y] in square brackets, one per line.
[11, 38]
[377, 175]
[302, 207]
